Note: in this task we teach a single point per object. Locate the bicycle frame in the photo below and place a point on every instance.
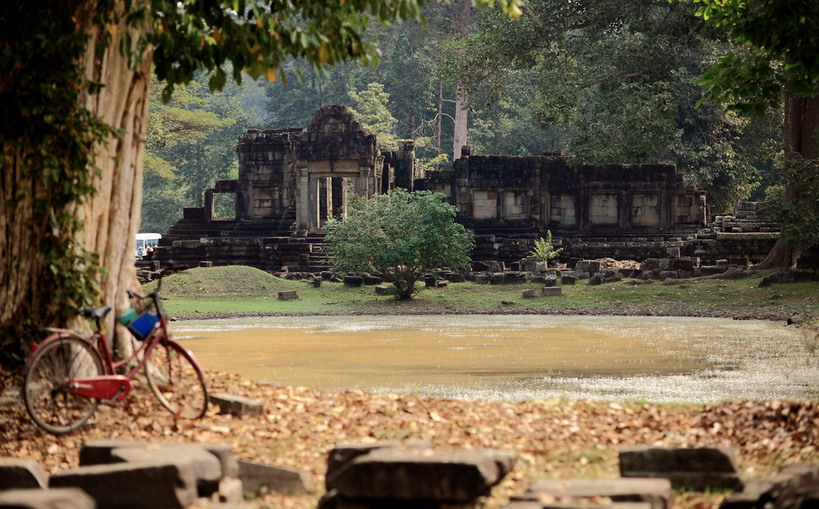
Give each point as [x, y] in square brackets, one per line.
[111, 385]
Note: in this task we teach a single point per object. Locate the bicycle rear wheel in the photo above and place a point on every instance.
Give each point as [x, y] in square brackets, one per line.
[176, 380]
[46, 386]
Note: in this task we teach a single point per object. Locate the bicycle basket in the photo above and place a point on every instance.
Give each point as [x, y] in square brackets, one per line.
[141, 327]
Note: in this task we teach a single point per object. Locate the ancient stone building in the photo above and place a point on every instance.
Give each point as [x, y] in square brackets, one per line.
[291, 181]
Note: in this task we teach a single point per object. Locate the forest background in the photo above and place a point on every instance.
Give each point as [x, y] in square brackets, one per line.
[611, 81]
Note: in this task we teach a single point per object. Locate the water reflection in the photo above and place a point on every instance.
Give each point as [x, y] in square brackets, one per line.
[516, 357]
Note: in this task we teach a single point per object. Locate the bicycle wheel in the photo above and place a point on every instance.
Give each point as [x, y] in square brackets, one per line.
[176, 380]
[47, 382]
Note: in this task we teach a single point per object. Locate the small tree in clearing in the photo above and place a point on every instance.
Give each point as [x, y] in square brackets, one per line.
[404, 235]
[544, 250]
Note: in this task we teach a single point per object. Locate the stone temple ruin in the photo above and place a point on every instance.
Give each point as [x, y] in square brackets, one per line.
[291, 181]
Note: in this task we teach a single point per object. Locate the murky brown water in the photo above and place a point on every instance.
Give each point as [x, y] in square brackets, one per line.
[516, 357]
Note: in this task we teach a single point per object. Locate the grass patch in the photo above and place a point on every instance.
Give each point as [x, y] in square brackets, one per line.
[238, 290]
[231, 280]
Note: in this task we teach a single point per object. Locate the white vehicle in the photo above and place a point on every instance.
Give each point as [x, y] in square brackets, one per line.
[144, 241]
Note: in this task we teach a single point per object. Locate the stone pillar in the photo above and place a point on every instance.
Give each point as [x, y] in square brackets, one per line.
[623, 210]
[209, 205]
[303, 198]
[665, 210]
[315, 202]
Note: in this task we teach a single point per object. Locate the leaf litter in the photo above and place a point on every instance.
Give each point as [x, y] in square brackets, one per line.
[553, 439]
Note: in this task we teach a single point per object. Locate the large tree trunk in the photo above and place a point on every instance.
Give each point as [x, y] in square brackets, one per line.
[110, 218]
[801, 132]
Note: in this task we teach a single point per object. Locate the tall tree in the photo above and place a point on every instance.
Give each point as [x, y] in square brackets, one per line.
[74, 90]
[617, 78]
[778, 65]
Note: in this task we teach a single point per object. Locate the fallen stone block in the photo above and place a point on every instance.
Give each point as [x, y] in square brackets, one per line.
[529, 293]
[795, 485]
[568, 280]
[21, 473]
[224, 453]
[383, 289]
[596, 279]
[421, 475]
[257, 477]
[345, 453]
[697, 469]
[551, 291]
[98, 452]
[656, 492]
[145, 484]
[371, 280]
[587, 267]
[497, 278]
[231, 491]
[288, 295]
[442, 283]
[456, 278]
[482, 279]
[58, 498]
[206, 467]
[550, 281]
[353, 281]
[237, 405]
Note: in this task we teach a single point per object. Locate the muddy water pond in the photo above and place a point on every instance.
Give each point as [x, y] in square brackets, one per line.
[512, 357]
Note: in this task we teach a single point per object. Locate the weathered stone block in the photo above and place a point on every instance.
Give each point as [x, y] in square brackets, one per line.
[656, 492]
[515, 278]
[237, 405]
[231, 491]
[58, 498]
[430, 282]
[587, 267]
[383, 289]
[206, 467]
[650, 264]
[345, 453]
[487, 266]
[224, 453]
[596, 279]
[529, 293]
[99, 452]
[550, 281]
[144, 484]
[456, 278]
[353, 281]
[482, 279]
[497, 278]
[371, 280]
[682, 264]
[257, 477]
[421, 474]
[442, 283]
[568, 280]
[697, 469]
[288, 295]
[21, 473]
[551, 291]
[795, 485]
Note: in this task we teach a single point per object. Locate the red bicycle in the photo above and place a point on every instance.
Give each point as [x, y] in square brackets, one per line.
[69, 373]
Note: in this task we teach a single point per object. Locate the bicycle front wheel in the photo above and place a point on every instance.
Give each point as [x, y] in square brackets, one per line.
[47, 384]
[177, 381]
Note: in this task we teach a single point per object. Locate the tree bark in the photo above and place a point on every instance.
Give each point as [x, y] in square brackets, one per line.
[801, 131]
[110, 218]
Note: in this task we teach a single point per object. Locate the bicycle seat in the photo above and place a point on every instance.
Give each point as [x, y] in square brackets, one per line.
[98, 313]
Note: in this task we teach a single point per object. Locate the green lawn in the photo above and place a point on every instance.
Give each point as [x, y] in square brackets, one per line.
[237, 290]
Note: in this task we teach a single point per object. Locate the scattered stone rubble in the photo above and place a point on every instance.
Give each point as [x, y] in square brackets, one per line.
[123, 474]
